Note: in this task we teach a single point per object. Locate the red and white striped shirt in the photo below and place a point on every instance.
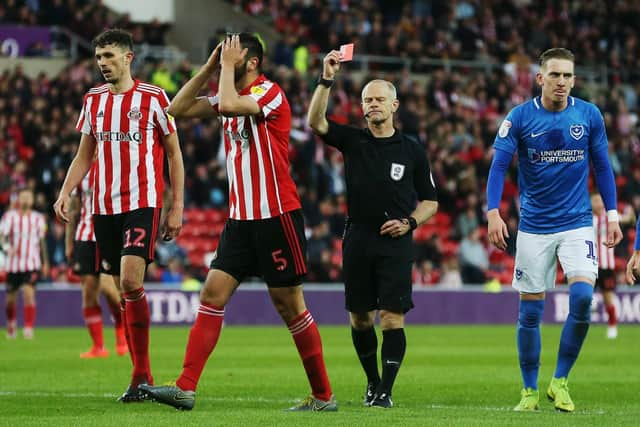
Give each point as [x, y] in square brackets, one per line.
[23, 232]
[257, 152]
[606, 260]
[127, 127]
[84, 230]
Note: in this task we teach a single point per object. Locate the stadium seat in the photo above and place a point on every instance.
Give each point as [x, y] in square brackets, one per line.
[450, 248]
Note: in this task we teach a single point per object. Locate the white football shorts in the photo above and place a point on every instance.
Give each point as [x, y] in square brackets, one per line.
[537, 254]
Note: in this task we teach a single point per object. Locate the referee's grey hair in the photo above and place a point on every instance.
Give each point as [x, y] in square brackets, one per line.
[390, 86]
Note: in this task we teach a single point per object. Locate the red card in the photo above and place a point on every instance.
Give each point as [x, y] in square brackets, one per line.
[346, 52]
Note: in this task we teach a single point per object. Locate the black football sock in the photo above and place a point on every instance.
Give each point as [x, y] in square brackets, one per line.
[394, 345]
[366, 345]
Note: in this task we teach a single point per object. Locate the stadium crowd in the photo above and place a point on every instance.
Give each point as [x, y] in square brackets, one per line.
[455, 113]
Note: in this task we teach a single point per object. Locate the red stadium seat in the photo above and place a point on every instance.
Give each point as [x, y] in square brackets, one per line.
[442, 219]
[450, 248]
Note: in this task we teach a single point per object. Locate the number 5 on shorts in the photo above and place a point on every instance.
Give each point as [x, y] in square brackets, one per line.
[279, 261]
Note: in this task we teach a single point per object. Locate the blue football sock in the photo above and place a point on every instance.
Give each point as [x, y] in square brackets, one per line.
[529, 316]
[575, 328]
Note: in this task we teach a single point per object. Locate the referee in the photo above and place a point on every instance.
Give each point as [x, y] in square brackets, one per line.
[386, 174]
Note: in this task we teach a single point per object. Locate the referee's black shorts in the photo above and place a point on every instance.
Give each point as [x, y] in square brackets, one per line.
[377, 270]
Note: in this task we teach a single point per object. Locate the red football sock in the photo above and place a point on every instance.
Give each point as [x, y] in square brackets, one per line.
[116, 314]
[29, 313]
[202, 340]
[93, 319]
[12, 315]
[307, 338]
[611, 311]
[137, 315]
[123, 319]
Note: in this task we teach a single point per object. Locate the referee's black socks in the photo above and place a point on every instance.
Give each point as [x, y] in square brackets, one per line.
[366, 345]
[394, 344]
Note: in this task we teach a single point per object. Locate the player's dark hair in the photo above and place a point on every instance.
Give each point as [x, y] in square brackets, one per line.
[116, 36]
[254, 47]
[556, 53]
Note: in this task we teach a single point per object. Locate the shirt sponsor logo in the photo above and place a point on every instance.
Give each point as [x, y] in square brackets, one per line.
[119, 136]
[504, 128]
[555, 156]
[576, 131]
[243, 135]
[397, 171]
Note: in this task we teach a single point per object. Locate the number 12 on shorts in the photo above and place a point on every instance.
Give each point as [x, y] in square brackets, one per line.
[139, 235]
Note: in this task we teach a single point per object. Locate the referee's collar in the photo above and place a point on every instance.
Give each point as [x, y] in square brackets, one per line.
[397, 135]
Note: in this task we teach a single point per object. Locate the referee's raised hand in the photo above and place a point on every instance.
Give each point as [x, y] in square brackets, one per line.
[331, 64]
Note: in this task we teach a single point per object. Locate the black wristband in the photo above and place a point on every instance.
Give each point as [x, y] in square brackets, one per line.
[413, 224]
[325, 82]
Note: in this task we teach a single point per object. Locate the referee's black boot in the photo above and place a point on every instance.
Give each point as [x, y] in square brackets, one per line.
[382, 400]
[369, 394]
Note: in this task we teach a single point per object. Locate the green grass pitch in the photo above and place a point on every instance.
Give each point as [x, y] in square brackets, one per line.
[451, 376]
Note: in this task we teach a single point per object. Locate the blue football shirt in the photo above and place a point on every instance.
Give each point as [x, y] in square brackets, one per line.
[553, 162]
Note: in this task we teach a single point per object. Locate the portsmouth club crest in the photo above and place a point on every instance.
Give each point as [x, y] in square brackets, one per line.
[397, 171]
[576, 131]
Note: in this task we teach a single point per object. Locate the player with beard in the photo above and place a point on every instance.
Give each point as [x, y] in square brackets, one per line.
[264, 235]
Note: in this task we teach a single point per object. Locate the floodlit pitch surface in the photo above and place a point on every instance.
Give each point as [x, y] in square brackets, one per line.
[463, 375]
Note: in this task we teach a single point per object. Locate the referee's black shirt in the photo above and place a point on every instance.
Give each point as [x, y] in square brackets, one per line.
[384, 176]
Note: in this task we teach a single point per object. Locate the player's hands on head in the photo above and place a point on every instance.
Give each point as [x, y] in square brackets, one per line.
[232, 53]
[497, 231]
[214, 59]
[60, 208]
[633, 267]
[172, 224]
[331, 64]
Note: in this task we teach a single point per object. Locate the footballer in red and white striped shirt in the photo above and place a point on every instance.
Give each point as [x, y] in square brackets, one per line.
[22, 234]
[84, 229]
[264, 235]
[126, 122]
[128, 128]
[606, 280]
[256, 148]
[23, 231]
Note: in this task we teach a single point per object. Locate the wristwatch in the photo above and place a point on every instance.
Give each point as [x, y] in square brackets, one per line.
[325, 82]
[411, 222]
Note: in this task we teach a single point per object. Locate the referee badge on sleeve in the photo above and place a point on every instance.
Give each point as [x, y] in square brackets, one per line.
[397, 171]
